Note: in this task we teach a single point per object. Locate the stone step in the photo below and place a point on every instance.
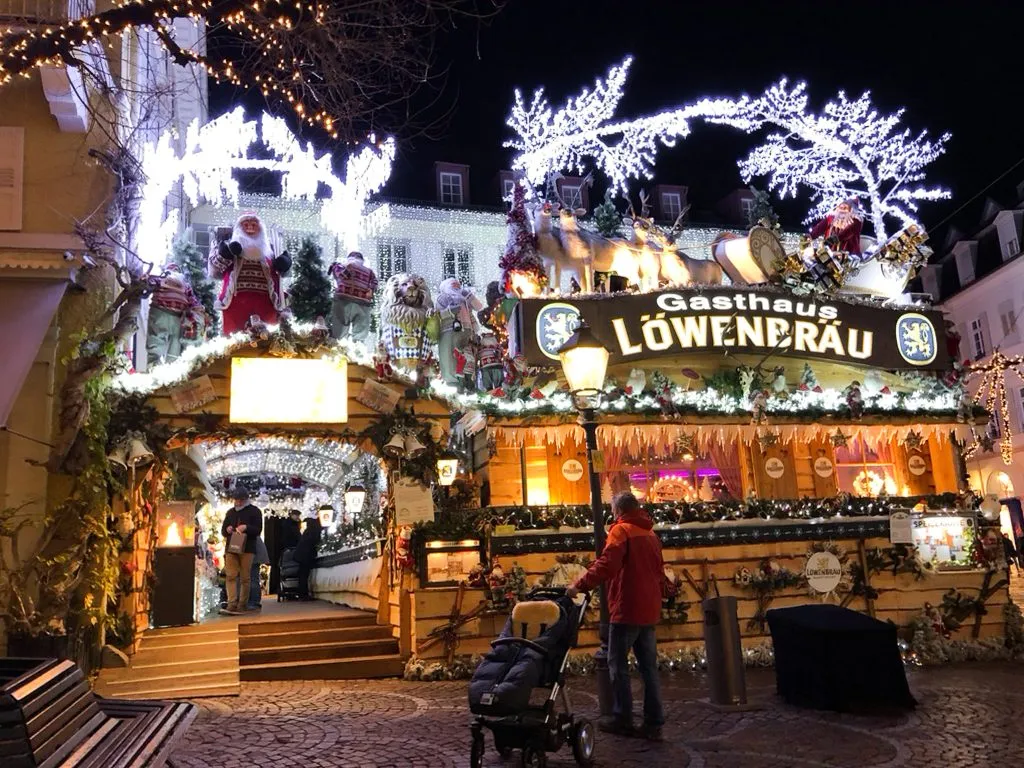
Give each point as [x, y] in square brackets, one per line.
[143, 666]
[319, 651]
[277, 639]
[144, 682]
[159, 692]
[156, 638]
[273, 626]
[340, 669]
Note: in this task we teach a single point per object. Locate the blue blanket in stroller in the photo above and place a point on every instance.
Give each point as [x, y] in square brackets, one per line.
[508, 673]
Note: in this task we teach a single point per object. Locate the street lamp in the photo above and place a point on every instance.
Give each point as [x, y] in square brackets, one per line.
[355, 495]
[447, 468]
[584, 363]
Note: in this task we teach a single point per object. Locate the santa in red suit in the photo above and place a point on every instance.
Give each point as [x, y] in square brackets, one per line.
[250, 274]
[841, 230]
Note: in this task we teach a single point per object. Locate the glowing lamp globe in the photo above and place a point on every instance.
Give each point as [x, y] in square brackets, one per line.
[584, 363]
[990, 507]
[355, 496]
[325, 514]
[447, 469]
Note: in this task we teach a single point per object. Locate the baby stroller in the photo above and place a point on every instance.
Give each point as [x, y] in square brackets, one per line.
[289, 589]
[531, 653]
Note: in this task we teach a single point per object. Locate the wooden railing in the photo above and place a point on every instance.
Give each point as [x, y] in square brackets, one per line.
[44, 11]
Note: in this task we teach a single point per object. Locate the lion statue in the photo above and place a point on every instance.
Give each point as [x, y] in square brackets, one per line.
[405, 309]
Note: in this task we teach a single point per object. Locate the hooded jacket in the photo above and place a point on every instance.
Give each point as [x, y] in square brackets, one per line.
[632, 566]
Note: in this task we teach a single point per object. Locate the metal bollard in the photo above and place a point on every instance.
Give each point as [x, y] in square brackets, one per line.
[726, 673]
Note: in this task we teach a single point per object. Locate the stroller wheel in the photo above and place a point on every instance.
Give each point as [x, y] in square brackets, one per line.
[583, 742]
[531, 757]
[476, 751]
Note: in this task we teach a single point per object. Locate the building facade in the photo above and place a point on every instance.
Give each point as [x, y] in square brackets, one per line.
[978, 282]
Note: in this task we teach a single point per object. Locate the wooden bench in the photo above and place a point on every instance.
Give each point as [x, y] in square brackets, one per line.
[49, 717]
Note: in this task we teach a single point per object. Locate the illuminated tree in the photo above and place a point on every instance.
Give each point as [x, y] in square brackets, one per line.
[848, 150]
[347, 66]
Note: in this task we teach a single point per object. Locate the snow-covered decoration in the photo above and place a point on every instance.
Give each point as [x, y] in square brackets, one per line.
[848, 150]
[211, 154]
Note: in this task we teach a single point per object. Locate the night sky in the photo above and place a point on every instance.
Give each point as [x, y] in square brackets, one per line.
[954, 66]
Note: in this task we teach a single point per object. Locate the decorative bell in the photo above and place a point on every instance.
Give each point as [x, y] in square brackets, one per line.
[413, 447]
[119, 456]
[138, 453]
[395, 446]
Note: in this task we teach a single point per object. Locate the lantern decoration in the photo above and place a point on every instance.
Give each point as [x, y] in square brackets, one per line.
[447, 468]
[325, 514]
[990, 507]
[584, 363]
[355, 497]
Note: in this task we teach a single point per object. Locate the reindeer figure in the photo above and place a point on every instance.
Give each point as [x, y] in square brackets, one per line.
[678, 268]
[648, 260]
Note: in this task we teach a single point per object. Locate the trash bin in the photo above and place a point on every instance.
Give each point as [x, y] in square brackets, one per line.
[726, 674]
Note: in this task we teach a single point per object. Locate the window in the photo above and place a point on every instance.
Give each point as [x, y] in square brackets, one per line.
[1008, 319]
[392, 258]
[995, 430]
[12, 165]
[978, 338]
[507, 188]
[1010, 248]
[671, 205]
[457, 261]
[201, 238]
[747, 207]
[572, 195]
[864, 471]
[965, 267]
[451, 188]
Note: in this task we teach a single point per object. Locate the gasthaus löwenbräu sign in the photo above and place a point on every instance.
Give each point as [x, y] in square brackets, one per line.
[635, 327]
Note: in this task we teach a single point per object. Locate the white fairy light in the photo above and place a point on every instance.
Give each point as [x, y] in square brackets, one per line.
[314, 460]
[212, 153]
[849, 150]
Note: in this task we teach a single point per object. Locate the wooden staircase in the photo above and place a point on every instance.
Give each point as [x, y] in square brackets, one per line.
[340, 647]
[178, 663]
[289, 641]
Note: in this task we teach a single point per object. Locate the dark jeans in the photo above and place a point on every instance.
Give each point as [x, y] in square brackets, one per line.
[622, 637]
[255, 593]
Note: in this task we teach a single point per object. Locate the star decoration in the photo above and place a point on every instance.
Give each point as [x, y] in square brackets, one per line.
[839, 440]
[768, 439]
[914, 441]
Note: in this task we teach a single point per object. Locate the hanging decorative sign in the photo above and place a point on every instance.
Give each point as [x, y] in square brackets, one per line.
[379, 397]
[916, 464]
[774, 467]
[823, 572]
[901, 529]
[308, 391]
[597, 461]
[572, 470]
[642, 326]
[413, 502]
[823, 467]
[193, 394]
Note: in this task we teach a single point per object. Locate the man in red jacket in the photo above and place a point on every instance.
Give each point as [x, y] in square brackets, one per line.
[632, 566]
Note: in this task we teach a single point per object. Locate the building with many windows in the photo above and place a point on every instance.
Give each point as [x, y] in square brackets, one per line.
[978, 281]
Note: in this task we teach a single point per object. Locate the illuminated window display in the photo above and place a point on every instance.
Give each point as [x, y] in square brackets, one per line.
[865, 471]
[944, 539]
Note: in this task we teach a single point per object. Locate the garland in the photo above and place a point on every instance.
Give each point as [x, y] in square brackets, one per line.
[765, 581]
[930, 642]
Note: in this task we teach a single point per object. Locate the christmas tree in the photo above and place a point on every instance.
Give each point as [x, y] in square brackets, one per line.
[762, 214]
[807, 378]
[607, 217]
[311, 289]
[192, 262]
[521, 248]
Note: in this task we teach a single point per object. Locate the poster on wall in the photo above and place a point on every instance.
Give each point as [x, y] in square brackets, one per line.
[379, 397]
[901, 528]
[413, 502]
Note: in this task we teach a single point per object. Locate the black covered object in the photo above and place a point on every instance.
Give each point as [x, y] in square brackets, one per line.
[508, 673]
[827, 657]
[173, 601]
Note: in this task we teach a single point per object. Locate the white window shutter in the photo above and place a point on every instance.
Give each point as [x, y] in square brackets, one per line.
[986, 332]
[12, 161]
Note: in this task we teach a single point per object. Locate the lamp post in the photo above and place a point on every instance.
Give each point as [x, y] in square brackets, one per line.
[584, 363]
[355, 496]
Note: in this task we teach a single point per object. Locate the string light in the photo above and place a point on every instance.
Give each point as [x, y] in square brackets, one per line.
[264, 23]
[849, 150]
[993, 389]
[212, 153]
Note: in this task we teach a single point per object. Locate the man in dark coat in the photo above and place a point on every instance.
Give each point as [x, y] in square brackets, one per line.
[632, 567]
[247, 519]
[291, 530]
[305, 553]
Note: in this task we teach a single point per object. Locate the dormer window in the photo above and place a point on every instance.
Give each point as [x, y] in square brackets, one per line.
[671, 205]
[572, 195]
[747, 207]
[507, 188]
[1010, 248]
[451, 188]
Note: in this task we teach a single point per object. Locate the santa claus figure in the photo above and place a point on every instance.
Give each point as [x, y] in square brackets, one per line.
[456, 306]
[354, 285]
[176, 318]
[841, 230]
[250, 272]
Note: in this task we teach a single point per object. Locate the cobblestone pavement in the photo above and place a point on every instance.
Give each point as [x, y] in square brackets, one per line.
[971, 715]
